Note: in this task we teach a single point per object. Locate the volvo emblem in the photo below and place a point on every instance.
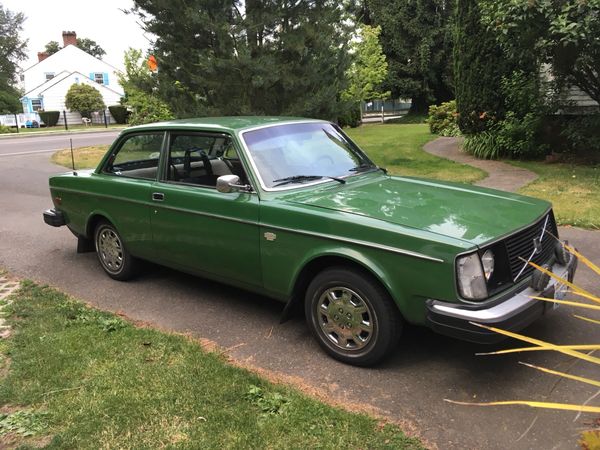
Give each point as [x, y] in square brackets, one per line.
[270, 236]
[537, 245]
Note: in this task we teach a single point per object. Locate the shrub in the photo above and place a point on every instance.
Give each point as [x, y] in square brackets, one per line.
[84, 99]
[482, 145]
[582, 134]
[442, 119]
[5, 129]
[350, 117]
[50, 118]
[147, 108]
[513, 137]
[119, 113]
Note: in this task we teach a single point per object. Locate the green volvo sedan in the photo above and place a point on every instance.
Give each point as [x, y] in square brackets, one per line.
[294, 210]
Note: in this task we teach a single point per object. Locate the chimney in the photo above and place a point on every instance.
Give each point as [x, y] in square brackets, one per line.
[42, 56]
[69, 38]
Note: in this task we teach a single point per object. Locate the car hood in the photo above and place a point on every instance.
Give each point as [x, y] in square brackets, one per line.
[472, 214]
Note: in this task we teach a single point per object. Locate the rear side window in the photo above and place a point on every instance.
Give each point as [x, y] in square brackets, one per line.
[137, 157]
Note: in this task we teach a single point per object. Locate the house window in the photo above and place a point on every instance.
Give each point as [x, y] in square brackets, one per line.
[99, 77]
[49, 76]
[36, 104]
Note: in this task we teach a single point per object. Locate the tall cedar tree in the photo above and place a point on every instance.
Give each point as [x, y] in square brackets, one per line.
[271, 57]
[479, 66]
[12, 51]
[416, 36]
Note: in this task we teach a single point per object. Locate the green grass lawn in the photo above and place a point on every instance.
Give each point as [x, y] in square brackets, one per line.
[75, 377]
[84, 157]
[574, 190]
[399, 148]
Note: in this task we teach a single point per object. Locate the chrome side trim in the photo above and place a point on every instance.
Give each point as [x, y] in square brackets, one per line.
[113, 197]
[501, 311]
[290, 230]
[386, 248]
[205, 214]
[162, 206]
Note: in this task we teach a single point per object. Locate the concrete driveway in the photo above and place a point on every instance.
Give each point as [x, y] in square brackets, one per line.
[409, 387]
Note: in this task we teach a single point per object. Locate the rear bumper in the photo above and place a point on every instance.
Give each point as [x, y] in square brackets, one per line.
[54, 218]
[512, 314]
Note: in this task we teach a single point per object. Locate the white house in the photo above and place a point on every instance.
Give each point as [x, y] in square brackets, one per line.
[46, 83]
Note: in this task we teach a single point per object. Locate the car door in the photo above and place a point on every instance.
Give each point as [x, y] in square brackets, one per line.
[195, 227]
[124, 185]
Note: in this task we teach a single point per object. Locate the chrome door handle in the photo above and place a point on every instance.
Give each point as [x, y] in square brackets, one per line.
[158, 196]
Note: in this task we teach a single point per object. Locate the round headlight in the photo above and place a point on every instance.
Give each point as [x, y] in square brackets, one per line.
[487, 261]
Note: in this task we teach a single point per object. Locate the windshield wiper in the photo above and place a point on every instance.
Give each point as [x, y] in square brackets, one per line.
[301, 178]
[362, 168]
[367, 167]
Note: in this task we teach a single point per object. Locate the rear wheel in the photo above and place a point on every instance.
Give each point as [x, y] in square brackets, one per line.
[352, 316]
[114, 258]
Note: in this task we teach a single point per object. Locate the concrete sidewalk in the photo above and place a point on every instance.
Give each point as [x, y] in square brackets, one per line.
[500, 175]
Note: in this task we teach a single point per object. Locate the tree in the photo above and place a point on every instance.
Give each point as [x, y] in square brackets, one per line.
[369, 68]
[52, 47]
[87, 45]
[90, 46]
[140, 86]
[416, 37]
[479, 67]
[12, 51]
[561, 33]
[271, 57]
[84, 99]
[9, 100]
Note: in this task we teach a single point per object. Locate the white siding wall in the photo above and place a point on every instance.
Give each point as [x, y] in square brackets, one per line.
[54, 97]
[71, 59]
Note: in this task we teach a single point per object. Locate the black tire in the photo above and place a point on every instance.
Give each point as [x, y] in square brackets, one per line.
[361, 299]
[112, 254]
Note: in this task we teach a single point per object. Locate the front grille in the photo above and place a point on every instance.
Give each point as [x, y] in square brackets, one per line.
[520, 245]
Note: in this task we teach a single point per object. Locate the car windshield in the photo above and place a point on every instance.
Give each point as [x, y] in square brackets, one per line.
[304, 152]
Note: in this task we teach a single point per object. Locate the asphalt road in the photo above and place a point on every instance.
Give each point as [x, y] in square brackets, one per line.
[49, 143]
[410, 387]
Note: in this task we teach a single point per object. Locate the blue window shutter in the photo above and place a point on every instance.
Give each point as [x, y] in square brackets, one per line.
[92, 76]
[105, 76]
[29, 105]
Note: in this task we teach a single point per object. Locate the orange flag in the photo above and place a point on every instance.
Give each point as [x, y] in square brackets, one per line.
[152, 64]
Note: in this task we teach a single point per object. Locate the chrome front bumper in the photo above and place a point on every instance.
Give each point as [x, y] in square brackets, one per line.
[513, 313]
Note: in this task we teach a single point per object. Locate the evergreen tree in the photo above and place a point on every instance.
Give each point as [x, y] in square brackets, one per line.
[12, 51]
[479, 67]
[416, 36]
[272, 57]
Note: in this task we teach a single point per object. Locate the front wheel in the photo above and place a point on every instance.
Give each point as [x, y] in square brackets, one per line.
[114, 258]
[352, 316]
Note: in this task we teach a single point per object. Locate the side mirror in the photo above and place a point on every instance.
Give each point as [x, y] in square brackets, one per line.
[230, 183]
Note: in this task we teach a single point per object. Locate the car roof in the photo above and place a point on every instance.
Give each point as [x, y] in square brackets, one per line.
[232, 124]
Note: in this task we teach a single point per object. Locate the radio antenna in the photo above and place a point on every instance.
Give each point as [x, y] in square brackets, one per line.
[72, 158]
